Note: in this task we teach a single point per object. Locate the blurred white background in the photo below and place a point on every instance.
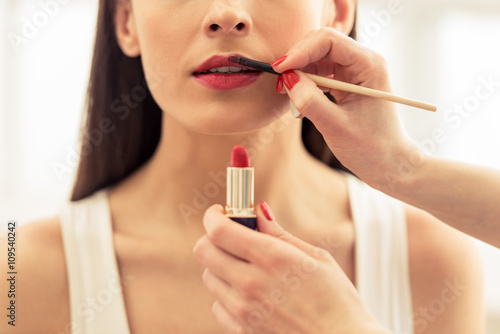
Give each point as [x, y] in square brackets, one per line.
[440, 52]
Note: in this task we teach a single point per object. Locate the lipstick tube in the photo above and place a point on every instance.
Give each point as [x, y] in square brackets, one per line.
[240, 196]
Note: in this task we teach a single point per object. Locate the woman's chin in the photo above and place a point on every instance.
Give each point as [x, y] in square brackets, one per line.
[224, 126]
[226, 122]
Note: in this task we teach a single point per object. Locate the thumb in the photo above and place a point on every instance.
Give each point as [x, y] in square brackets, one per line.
[306, 95]
[311, 102]
[268, 225]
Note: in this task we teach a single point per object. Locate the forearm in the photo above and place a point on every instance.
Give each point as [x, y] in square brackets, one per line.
[464, 196]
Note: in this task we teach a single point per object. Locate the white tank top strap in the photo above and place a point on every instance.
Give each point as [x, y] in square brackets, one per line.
[382, 265]
[96, 298]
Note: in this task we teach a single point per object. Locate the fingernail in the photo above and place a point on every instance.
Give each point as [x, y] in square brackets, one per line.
[290, 78]
[278, 61]
[215, 306]
[267, 211]
[205, 274]
[294, 110]
[279, 84]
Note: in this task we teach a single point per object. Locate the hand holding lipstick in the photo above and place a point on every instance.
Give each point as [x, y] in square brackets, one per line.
[293, 287]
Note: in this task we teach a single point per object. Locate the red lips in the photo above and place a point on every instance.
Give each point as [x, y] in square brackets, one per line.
[218, 61]
[224, 81]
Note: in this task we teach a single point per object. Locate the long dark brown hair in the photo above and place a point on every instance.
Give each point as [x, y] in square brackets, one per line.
[122, 123]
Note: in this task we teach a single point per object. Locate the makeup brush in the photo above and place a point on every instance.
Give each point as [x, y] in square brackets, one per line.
[338, 85]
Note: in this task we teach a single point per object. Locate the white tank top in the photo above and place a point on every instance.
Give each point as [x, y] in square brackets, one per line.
[96, 299]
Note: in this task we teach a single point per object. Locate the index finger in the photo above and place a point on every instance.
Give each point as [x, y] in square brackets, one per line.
[325, 43]
[245, 243]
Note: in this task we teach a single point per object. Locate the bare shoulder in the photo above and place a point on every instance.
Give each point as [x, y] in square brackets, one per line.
[39, 287]
[446, 277]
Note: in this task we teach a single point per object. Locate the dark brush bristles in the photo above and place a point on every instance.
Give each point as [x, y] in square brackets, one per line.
[258, 65]
[234, 59]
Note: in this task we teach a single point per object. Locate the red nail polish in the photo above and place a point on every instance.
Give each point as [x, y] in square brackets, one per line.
[290, 78]
[279, 84]
[266, 210]
[279, 61]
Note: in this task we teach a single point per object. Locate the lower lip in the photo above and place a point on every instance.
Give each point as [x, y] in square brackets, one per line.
[231, 81]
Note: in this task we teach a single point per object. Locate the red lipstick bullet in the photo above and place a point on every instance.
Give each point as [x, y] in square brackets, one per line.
[240, 190]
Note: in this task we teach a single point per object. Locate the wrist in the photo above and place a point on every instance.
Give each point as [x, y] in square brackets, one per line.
[374, 328]
[363, 323]
[401, 171]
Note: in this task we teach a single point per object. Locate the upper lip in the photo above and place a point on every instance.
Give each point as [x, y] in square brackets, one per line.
[219, 61]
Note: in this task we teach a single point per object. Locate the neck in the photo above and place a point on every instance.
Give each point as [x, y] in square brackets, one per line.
[187, 173]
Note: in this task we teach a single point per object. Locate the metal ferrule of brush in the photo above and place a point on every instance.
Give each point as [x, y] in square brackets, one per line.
[240, 195]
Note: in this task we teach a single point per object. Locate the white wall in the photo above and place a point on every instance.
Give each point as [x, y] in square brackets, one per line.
[45, 66]
[437, 52]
